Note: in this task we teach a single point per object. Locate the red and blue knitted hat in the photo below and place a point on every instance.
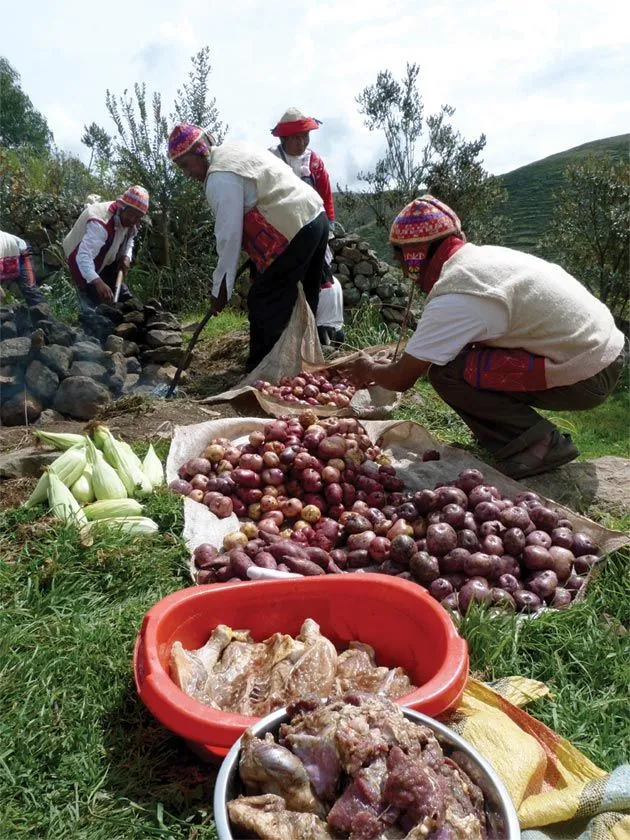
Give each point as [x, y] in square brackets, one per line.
[418, 224]
[136, 197]
[187, 137]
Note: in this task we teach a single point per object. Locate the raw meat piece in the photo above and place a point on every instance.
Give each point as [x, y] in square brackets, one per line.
[359, 810]
[356, 671]
[321, 761]
[268, 817]
[267, 767]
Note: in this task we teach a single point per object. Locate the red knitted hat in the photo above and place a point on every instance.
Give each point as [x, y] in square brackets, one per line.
[136, 197]
[417, 225]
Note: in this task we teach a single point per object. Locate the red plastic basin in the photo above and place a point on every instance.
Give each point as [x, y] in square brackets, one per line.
[404, 625]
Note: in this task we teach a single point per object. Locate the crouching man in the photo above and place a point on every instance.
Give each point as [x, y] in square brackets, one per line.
[101, 244]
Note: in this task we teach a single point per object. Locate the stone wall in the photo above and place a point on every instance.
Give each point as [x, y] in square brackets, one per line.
[363, 276]
[46, 364]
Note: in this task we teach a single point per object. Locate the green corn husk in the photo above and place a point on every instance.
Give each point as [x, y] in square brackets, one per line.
[105, 480]
[68, 467]
[146, 485]
[60, 440]
[152, 468]
[133, 525]
[113, 508]
[122, 458]
[62, 503]
[82, 489]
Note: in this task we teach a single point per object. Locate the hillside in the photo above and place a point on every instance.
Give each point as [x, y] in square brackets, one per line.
[530, 189]
[530, 197]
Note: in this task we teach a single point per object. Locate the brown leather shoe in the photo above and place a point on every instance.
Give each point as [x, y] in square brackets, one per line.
[561, 451]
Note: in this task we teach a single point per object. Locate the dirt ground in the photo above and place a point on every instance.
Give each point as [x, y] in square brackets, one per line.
[217, 366]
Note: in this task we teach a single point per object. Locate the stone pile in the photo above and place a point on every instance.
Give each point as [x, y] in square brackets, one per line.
[367, 279]
[364, 279]
[77, 371]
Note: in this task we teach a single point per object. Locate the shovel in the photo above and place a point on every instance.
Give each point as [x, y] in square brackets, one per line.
[119, 279]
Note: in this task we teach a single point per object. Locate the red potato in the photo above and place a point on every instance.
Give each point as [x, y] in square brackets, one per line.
[441, 538]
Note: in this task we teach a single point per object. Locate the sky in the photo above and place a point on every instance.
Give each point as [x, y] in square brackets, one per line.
[535, 77]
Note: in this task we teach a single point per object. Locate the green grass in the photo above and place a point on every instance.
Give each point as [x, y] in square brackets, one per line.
[583, 655]
[80, 756]
[226, 322]
[601, 431]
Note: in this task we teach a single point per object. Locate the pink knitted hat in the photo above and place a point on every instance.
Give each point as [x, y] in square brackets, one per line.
[136, 197]
[187, 137]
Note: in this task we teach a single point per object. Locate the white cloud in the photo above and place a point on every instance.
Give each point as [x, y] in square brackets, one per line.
[536, 78]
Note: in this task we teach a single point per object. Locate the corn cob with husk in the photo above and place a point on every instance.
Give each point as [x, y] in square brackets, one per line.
[65, 507]
[132, 525]
[152, 468]
[68, 467]
[105, 480]
[113, 508]
[122, 458]
[60, 440]
[82, 489]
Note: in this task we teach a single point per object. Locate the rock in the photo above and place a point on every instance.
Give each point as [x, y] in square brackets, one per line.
[117, 371]
[6, 314]
[87, 351]
[24, 462]
[81, 397]
[96, 324]
[132, 365]
[14, 351]
[57, 358]
[86, 368]
[343, 270]
[385, 291]
[163, 338]
[22, 320]
[351, 255]
[165, 321]
[57, 333]
[38, 340]
[8, 375]
[363, 283]
[131, 380]
[162, 373]
[382, 268]
[130, 348]
[364, 267]
[19, 409]
[115, 344]
[112, 313]
[134, 318]
[38, 313]
[133, 305]
[603, 483]
[149, 311]
[41, 380]
[351, 296]
[393, 315]
[8, 330]
[364, 246]
[163, 355]
[49, 415]
[126, 331]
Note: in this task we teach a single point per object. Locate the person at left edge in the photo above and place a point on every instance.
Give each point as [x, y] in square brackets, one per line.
[261, 207]
[16, 270]
[101, 244]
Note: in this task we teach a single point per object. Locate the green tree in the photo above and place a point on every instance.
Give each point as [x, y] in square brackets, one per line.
[178, 256]
[99, 142]
[424, 154]
[590, 229]
[21, 126]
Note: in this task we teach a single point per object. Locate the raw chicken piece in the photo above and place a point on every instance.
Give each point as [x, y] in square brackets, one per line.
[268, 817]
[356, 671]
[360, 810]
[190, 669]
[318, 754]
[267, 767]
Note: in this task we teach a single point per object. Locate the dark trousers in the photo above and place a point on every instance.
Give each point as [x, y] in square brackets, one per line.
[505, 422]
[88, 299]
[274, 292]
[26, 284]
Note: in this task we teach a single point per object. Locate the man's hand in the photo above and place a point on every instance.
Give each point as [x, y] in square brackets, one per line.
[360, 372]
[219, 302]
[103, 292]
[125, 265]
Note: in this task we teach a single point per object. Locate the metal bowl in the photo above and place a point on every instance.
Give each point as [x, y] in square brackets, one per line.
[228, 784]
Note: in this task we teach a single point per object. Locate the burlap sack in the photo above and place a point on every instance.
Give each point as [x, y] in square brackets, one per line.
[405, 440]
[299, 349]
